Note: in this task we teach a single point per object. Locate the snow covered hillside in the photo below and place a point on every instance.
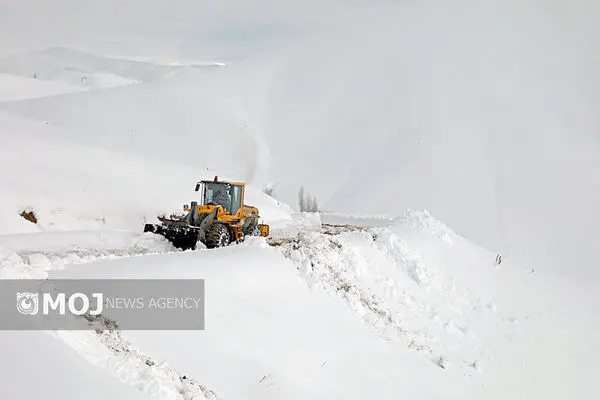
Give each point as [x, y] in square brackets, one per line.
[481, 113]
[409, 309]
[268, 336]
[77, 186]
[48, 368]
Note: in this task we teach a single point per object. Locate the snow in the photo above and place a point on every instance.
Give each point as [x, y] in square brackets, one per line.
[110, 351]
[479, 112]
[72, 186]
[436, 135]
[301, 345]
[449, 302]
[15, 88]
[455, 117]
[48, 368]
[402, 305]
[355, 219]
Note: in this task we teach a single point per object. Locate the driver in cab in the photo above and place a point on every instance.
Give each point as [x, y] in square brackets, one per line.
[221, 198]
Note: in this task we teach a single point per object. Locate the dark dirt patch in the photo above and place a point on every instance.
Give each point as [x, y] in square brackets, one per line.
[29, 216]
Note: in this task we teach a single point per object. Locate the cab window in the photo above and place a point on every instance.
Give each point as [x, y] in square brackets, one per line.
[236, 198]
[219, 194]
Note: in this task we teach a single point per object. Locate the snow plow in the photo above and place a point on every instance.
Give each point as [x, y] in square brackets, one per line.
[219, 219]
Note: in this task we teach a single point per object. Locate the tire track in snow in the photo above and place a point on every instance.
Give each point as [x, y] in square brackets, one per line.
[34, 261]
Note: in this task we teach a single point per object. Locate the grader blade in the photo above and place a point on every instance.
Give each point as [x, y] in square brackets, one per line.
[182, 237]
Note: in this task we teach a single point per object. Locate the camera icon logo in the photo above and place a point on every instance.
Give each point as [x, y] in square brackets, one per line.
[27, 303]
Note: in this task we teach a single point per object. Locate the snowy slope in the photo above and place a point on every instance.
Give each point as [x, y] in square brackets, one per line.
[407, 309]
[419, 285]
[479, 112]
[48, 368]
[14, 88]
[78, 68]
[72, 186]
[268, 336]
[202, 114]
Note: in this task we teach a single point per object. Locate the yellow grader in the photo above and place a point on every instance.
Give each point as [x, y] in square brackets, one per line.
[220, 219]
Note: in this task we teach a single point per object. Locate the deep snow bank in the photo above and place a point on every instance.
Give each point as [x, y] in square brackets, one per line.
[510, 330]
[448, 314]
[84, 357]
[268, 336]
[41, 366]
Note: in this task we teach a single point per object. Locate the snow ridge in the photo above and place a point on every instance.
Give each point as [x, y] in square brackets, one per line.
[398, 252]
[424, 221]
[330, 264]
[391, 286]
[110, 351]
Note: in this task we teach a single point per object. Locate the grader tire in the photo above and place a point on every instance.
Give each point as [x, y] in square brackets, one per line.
[252, 230]
[218, 235]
